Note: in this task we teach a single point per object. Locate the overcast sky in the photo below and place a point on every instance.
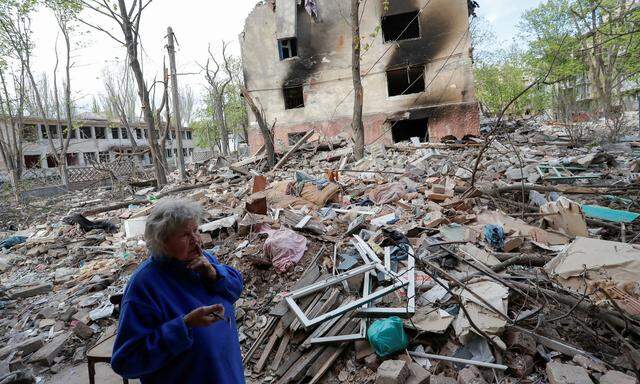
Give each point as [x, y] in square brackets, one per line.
[196, 24]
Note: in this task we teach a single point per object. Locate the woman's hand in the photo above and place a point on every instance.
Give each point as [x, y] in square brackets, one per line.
[204, 316]
[202, 265]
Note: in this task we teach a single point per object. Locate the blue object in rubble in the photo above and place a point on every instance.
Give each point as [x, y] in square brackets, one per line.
[387, 336]
[494, 235]
[12, 241]
[608, 214]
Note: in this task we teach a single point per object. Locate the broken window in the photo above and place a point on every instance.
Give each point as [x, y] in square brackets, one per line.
[73, 159]
[288, 48]
[71, 133]
[124, 133]
[85, 132]
[402, 26]
[405, 81]
[293, 97]
[30, 133]
[43, 130]
[51, 161]
[104, 157]
[115, 133]
[89, 157]
[32, 161]
[294, 137]
[100, 134]
[53, 129]
[139, 133]
[404, 130]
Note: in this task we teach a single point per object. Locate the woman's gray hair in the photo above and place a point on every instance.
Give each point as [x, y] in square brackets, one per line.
[166, 217]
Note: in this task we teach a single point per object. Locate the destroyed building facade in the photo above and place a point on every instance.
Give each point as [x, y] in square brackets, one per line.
[93, 140]
[415, 62]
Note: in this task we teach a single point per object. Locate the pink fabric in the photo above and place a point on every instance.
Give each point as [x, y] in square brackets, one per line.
[284, 246]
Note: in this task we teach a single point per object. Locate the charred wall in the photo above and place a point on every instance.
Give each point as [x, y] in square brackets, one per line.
[323, 65]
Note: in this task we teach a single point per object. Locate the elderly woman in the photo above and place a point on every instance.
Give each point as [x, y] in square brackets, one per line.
[177, 321]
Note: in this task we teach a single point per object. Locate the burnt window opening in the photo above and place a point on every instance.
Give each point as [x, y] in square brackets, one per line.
[100, 134]
[51, 162]
[288, 48]
[402, 26]
[405, 81]
[293, 97]
[73, 159]
[404, 130]
[30, 133]
[32, 161]
[85, 132]
[294, 137]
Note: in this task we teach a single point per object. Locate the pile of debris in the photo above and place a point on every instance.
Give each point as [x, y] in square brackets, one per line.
[419, 263]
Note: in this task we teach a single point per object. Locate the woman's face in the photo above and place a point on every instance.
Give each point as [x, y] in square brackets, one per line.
[185, 243]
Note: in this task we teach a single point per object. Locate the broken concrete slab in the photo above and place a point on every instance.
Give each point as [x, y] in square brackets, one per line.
[442, 379]
[392, 372]
[470, 375]
[27, 346]
[559, 373]
[22, 293]
[617, 377]
[418, 375]
[50, 350]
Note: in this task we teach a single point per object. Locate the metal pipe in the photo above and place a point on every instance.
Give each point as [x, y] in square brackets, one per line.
[457, 360]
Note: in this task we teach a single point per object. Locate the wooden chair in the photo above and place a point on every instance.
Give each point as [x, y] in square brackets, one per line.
[101, 352]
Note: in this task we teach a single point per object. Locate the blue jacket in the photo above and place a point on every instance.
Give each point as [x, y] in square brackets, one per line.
[153, 342]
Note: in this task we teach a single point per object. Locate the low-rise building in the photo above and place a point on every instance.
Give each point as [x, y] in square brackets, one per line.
[93, 140]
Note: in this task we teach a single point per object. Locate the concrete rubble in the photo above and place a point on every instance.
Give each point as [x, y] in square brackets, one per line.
[491, 280]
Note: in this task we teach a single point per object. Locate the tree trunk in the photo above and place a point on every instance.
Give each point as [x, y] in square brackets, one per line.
[219, 116]
[357, 125]
[264, 129]
[176, 102]
[143, 92]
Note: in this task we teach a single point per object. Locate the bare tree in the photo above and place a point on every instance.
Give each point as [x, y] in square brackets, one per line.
[357, 125]
[120, 104]
[217, 87]
[128, 19]
[267, 136]
[11, 145]
[15, 26]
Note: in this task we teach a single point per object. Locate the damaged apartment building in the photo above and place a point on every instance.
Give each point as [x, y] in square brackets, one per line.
[95, 139]
[415, 62]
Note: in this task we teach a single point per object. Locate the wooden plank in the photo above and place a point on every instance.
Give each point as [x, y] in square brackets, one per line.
[282, 348]
[267, 350]
[298, 370]
[318, 373]
[291, 219]
[328, 357]
[293, 149]
[270, 324]
[311, 275]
